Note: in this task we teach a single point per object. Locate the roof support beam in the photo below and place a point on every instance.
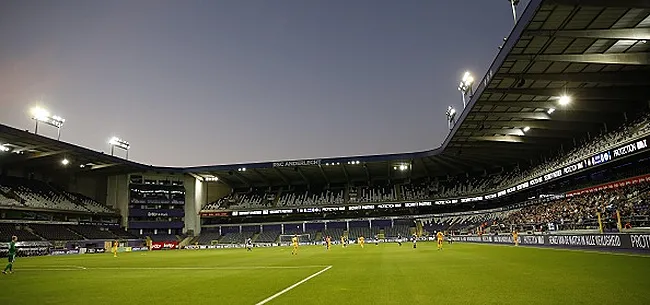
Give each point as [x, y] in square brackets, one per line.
[618, 77]
[629, 34]
[365, 168]
[345, 172]
[282, 176]
[322, 171]
[582, 105]
[597, 93]
[266, 180]
[640, 58]
[302, 174]
[550, 125]
[242, 179]
[518, 115]
[603, 3]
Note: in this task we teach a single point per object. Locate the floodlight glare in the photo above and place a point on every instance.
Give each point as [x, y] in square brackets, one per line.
[565, 100]
[4, 148]
[550, 110]
[65, 162]
[40, 114]
[526, 129]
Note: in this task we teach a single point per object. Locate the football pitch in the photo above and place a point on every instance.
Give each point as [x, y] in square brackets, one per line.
[384, 274]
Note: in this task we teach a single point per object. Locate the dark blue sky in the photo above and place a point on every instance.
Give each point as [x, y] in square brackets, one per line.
[213, 82]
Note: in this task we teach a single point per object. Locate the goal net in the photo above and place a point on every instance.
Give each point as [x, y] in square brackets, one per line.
[302, 238]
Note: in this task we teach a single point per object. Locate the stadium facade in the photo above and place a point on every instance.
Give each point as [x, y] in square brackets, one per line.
[563, 108]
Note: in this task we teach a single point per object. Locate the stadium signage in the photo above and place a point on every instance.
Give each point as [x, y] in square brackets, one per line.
[640, 241]
[472, 199]
[630, 148]
[296, 163]
[523, 186]
[553, 175]
[491, 196]
[612, 185]
[309, 210]
[157, 214]
[215, 214]
[389, 206]
[368, 207]
[157, 245]
[572, 168]
[286, 211]
[608, 241]
[535, 181]
[599, 158]
[246, 213]
[333, 209]
[354, 208]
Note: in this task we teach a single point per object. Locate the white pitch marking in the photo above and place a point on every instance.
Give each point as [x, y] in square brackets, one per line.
[292, 286]
[79, 268]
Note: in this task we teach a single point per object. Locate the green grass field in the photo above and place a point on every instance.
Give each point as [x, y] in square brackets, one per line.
[385, 274]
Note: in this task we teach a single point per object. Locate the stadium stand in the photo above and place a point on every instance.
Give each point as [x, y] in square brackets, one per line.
[267, 237]
[55, 232]
[7, 230]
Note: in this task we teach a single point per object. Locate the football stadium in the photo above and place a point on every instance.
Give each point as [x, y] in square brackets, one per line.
[540, 194]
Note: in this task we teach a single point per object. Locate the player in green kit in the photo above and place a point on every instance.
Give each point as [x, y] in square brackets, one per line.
[12, 255]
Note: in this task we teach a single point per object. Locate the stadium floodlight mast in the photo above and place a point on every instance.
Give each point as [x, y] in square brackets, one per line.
[513, 4]
[42, 115]
[465, 86]
[451, 116]
[119, 143]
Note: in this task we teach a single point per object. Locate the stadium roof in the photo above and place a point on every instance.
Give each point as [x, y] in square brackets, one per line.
[28, 150]
[594, 51]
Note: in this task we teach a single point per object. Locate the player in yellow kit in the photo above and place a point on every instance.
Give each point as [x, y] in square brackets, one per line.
[440, 237]
[362, 241]
[294, 243]
[515, 238]
[115, 244]
[328, 242]
[343, 241]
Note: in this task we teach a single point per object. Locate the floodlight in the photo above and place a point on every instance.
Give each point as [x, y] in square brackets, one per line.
[4, 148]
[119, 143]
[550, 110]
[65, 162]
[564, 100]
[465, 86]
[40, 114]
[526, 129]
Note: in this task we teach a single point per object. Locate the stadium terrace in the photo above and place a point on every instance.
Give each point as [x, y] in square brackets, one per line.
[550, 151]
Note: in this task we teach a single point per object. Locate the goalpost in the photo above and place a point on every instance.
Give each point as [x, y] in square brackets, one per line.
[285, 239]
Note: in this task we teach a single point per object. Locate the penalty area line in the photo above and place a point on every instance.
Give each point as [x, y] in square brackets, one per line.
[292, 286]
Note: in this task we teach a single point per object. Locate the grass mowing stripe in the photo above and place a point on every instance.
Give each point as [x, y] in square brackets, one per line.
[293, 286]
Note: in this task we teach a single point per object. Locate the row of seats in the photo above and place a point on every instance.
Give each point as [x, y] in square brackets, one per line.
[21, 192]
[36, 232]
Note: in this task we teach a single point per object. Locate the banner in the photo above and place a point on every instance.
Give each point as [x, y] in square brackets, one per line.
[296, 163]
[602, 241]
[63, 252]
[158, 245]
[611, 185]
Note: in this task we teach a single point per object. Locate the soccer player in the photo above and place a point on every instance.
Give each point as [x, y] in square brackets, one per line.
[399, 239]
[328, 242]
[440, 237]
[294, 243]
[12, 255]
[515, 238]
[415, 241]
[114, 250]
[249, 244]
[361, 241]
[343, 241]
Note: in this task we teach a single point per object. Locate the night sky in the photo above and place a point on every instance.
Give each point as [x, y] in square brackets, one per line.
[217, 82]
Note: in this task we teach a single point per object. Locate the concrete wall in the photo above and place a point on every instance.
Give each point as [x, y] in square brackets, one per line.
[195, 196]
[117, 195]
[216, 191]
